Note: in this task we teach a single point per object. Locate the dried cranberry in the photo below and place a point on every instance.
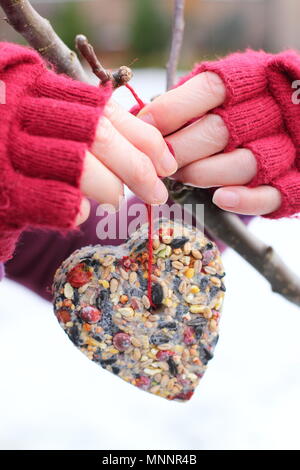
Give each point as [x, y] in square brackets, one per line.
[63, 316]
[189, 336]
[79, 275]
[142, 382]
[126, 262]
[90, 314]
[121, 341]
[165, 232]
[164, 354]
[184, 395]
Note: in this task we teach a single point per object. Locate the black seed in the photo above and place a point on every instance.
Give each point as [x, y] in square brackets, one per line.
[203, 283]
[102, 297]
[133, 292]
[214, 290]
[178, 242]
[157, 294]
[220, 276]
[205, 354]
[74, 334]
[141, 246]
[223, 288]
[198, 331]
[76, 296]
[176, 282]
[171, 325]
[209, 246]
[181, 310]
[168, 265]
[172, 366]
[143, 282]
[200, 321]
[107, 362]
[115, 370]
[159, 338]
[214, 341]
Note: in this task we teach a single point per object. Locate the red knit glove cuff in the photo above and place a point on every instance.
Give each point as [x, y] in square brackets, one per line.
[289, 187]
[55, 125]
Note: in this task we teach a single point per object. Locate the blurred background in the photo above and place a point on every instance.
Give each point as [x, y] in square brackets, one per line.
[124, 30]
[51, 396]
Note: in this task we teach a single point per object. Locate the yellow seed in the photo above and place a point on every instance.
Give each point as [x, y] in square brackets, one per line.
[103, 283]
[195, 289]
[190, 273]
[167, 302]
[197, 308]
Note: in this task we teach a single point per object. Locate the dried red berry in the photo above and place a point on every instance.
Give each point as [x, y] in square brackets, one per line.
[121, 341]
[143, 382]
[90, 314]
[184, 395]
[126, 262]
[63, 316]
[79, 275]
[164, 354]
[189, 336]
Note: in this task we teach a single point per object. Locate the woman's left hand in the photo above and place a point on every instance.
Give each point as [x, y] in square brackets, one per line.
[199, 147]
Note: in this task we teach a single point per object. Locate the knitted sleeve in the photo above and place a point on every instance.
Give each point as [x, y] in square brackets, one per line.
[47, 122]
[262, 114]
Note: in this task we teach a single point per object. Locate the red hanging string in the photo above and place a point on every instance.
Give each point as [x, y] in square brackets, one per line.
[141, 104]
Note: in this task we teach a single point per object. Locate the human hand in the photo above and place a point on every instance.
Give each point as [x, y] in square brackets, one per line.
[199, 147]
[125, 151]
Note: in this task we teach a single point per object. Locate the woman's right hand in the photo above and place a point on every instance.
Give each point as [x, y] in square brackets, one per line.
[125, 151]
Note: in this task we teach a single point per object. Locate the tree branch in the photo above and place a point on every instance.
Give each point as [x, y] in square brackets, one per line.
[177, 38]
[118, 78]
[40, 35]
[223, 225]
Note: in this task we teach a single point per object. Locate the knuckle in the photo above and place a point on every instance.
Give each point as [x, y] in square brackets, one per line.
[214, 84]
[249, 162]
[216, 128]
[153, 141]
[142, 172]
[105, 131]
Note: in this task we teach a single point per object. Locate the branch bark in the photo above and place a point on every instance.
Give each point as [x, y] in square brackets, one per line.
[223, 225]
[118, 78]
[40, 35]
[176, 44]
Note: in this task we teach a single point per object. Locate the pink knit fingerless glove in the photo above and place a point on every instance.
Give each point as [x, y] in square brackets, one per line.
[47, 123]
[260, 115]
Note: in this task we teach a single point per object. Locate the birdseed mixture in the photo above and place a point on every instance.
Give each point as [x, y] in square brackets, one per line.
[100, 300]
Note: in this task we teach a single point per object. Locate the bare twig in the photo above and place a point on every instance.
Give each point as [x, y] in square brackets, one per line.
[224, 225]
[118, 78]
[177, 38]
[40, 35]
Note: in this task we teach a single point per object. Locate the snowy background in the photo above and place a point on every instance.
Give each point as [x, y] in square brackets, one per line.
[53, 397]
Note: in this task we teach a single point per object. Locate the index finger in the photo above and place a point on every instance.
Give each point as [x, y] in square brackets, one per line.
[192, 99]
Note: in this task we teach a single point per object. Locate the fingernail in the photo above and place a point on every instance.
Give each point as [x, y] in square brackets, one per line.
[146, 117]
[226, 198]
[168, 163]
[160, 193]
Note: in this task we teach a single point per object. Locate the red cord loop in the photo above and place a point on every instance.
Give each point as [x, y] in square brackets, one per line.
[141, 104]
